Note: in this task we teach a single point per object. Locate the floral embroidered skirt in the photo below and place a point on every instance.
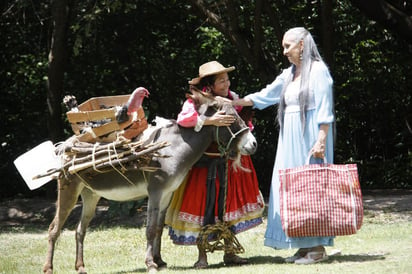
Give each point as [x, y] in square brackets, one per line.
[243, 209]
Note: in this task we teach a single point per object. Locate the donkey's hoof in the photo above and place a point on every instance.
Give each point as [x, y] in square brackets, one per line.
[47, 269]
[161, 264]
[151, 269]
[81, 270]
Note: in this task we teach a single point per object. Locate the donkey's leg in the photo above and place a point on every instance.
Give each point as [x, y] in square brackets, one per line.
[152, 217]
[164, 204]
[67, 195]
[90, 201]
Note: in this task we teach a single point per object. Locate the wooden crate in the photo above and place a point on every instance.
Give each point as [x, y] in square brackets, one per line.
[98, 109]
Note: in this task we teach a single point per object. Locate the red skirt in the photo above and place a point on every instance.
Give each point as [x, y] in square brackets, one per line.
[244, 202]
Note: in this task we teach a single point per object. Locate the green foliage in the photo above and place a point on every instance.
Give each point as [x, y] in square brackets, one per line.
[22, 87]
[373, 102]
[212, 42]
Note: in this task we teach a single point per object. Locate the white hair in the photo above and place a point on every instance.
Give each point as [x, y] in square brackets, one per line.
[309, 53]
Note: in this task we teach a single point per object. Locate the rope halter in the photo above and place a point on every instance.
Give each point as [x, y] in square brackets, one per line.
[221, 147]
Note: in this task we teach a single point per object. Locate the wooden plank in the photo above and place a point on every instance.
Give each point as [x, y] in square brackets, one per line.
[106, 128]
[86, 137]
[76, 129]
[95, 103]
[110, 101]
[96, 115]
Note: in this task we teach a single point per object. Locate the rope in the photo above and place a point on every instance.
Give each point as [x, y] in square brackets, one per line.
[221, 147]
[123, 168]
[112, 155]
[76, 173]
[83, 180]
[218, 236]
[114, 167]
[94, 158]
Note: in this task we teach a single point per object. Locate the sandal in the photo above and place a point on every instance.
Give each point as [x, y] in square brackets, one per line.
[313, 257]
[299, 254]
[232, 259]
[292, 259]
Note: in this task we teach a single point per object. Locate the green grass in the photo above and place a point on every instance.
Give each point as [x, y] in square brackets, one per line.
[383, 245]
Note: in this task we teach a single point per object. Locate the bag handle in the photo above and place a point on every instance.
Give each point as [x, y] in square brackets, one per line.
[310, 156]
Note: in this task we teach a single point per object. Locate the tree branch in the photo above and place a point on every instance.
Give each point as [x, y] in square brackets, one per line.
[234, 34]
[392, 17]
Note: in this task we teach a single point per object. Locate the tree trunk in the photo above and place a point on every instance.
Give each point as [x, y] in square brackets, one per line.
[57, 63]
[327, 32]
[249, 48]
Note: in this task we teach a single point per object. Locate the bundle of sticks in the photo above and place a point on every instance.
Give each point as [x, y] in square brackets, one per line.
[121, 154]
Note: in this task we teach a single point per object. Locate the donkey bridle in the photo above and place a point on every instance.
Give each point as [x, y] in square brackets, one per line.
[221, 147]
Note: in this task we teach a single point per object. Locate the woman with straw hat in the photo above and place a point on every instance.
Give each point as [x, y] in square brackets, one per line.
[196, 203]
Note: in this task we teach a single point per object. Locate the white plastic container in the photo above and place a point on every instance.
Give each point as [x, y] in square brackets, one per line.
[37, 161]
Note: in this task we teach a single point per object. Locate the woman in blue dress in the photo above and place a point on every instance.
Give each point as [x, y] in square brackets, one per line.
[305, 115]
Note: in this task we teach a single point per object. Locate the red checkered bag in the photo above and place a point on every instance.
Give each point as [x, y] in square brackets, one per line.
[320, 200]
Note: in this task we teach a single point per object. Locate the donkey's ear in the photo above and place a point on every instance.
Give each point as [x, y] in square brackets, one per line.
[200, 93]
[197, 93]
[194, 89]
[198, 96]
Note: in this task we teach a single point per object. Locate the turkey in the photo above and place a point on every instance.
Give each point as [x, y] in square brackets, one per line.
[133, 104]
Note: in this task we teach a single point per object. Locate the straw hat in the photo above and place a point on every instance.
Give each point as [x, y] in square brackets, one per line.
[210, 68]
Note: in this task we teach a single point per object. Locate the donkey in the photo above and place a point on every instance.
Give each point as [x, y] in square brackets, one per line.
[186, 147]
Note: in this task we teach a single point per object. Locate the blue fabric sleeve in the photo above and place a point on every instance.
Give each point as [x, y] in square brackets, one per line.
[270, 95]
[322, 87]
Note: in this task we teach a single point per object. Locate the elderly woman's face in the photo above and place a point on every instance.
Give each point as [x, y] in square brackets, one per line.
[292, 49]
[221, 85]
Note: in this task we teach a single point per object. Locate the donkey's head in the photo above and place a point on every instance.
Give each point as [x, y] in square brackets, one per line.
[232, 140]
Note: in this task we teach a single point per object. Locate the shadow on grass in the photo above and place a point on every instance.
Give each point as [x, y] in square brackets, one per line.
[35, 216]
[355, 258]
[332, 259]
[252, 261]
[262, 260]
[33, 229]
[137, 270]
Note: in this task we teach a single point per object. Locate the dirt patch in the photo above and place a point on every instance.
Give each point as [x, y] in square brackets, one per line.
[36, 212]
[379, 205]
[388, 200]
[388, 206]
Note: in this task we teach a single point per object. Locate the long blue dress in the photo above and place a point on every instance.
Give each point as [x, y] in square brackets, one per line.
[294, 145]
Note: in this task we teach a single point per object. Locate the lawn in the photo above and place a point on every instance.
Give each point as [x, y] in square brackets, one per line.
[383, 245]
